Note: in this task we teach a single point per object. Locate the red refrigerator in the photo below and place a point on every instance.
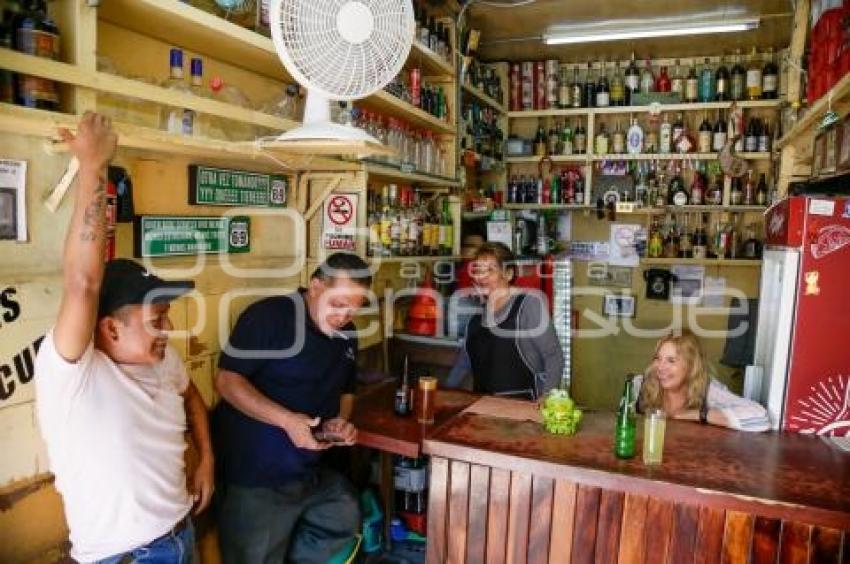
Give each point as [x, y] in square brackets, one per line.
[801, 369]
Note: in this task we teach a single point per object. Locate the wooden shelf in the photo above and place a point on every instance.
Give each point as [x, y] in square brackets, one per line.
[397, 260]
[119, 85]
[387, 104]
[176, 23]
[555, 159]
[430, 63]
[481, 96]
[546, 207]
[471, 216]
[163, 145]
[394, 173]
[701, 106]
[705, 262]
[694, 209]
[803, 131]
[676, 156]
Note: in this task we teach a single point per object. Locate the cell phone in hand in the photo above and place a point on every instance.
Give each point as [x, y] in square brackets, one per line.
[327, 437]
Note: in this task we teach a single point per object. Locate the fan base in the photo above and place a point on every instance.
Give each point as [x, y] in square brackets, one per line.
[327, 138]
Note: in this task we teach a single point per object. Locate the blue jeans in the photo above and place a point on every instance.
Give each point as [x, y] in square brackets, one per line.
[170, 548]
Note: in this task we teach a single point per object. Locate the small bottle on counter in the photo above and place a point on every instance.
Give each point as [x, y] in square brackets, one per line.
[624, 434]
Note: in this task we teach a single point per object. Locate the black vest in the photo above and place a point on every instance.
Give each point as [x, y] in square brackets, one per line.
[497, 366]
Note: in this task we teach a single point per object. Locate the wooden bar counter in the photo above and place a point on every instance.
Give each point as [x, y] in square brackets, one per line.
[504, 490]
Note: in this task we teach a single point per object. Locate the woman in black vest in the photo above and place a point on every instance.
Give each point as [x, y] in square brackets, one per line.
[511, 348]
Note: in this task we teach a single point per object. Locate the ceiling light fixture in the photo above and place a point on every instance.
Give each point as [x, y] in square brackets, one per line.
[641, 29]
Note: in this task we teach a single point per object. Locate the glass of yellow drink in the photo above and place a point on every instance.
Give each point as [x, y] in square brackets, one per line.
[653, 436]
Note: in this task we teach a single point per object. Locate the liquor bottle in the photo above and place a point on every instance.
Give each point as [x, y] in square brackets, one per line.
[647, 78]
[749, 197]
[374, 221]
[626, 427]
[555, 193]
[662, 83]
[736, 196]
[540, 141]
[552, 140]
[764, 139]
[580, 139]
[176, 120]
[721, 79]
[395, 222]
[7, 41]
[634, 138]
[751, 249]
[665, 144]
[754, 80]
[655, 245]
[601, 143]
[704, 136]
[677, 81]
[718, 138]
[700, 245]
[714, 195]
[564, 91]
[577, 90]
[697, 189]
[632, 81]
[738, 79]
[678, 130]
[35, 34]
[618, 87]
[589, 88]
[446, 230]
[676, 190]
[692, 85]
[603, 93]
[403, 397]
[618, 140]
[686, 241]
[761, 191]
[567, 139]
[706, 83]
[650, 141]
[386, 222]
[769, 77]
[751, 136]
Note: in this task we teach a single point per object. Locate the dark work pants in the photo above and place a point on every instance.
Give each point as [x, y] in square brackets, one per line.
[303, 522]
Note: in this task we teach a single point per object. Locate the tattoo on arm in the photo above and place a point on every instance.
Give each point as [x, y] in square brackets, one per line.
[94, 215]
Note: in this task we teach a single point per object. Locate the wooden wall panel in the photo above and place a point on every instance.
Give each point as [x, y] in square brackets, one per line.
[608, 527]
[794, 543]
[766, 540]
[709, 542]
[563, 522]
[826, 546]
[632, 533]
[584, 531]
[737, 538]
[437, 498]
[458, 511]
[683, 539]
[520, 512]
[497, 515]
[540, 526]
[659, 527]
[476, 539]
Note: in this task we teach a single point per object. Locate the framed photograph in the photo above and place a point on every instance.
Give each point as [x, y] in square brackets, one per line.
[13, 210]
[618, 305]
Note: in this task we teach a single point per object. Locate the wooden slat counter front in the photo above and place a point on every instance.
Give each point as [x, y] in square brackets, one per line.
[506, 491]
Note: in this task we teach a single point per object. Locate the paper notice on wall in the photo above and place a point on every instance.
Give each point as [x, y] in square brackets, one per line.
[622, 250]
[687, 285]
[13, 203]
[339, 225]
[714, 292]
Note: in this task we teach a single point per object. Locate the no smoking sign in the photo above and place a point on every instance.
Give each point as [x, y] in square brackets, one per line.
[339, 228]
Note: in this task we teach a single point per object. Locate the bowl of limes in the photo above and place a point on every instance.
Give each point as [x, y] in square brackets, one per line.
[560, 414]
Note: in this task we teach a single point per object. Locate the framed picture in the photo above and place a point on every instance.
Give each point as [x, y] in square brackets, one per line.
[618, 305]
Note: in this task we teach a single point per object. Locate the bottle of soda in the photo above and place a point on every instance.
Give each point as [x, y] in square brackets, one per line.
[624, 433]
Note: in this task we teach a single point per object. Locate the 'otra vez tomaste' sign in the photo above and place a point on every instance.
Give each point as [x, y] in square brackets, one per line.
[224, 187]
[162, 236]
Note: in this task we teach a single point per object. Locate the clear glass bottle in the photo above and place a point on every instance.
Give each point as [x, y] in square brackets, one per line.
[174, 120]
[754, 78]
[677, 81]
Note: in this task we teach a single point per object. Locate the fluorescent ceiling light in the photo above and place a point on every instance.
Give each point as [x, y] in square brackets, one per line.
[640, 29]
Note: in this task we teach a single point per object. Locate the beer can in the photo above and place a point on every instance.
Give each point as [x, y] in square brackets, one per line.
[539, 85]
[552, 70]
[527, 86]
[516, 87]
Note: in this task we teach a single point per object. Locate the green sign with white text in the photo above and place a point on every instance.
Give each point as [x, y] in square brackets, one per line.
[164, 236]
[210, 186]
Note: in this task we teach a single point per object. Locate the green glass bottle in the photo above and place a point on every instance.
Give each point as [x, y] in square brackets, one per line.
[624, 434]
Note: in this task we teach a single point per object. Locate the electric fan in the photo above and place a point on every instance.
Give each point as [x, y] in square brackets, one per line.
[338, 50]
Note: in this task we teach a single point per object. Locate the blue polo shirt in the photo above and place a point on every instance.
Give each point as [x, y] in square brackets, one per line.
[278, 348]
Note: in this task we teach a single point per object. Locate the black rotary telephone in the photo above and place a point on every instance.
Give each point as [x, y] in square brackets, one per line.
[658, 283]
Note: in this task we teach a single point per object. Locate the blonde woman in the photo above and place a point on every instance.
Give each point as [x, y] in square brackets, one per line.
[677, 382]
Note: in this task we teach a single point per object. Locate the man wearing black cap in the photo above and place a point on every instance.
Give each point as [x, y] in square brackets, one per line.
[112, 397]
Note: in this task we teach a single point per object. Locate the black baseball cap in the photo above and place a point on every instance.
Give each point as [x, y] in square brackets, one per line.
[126, 282]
